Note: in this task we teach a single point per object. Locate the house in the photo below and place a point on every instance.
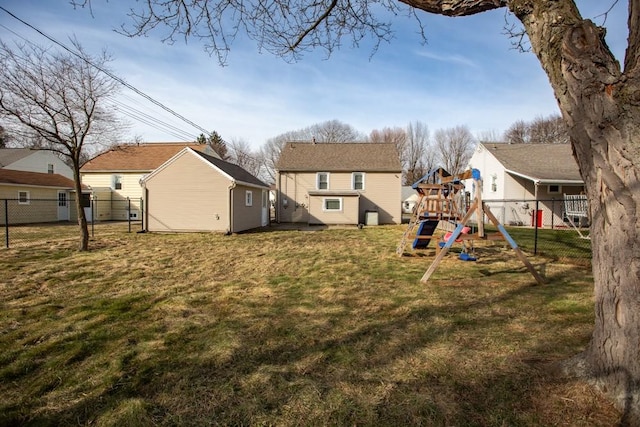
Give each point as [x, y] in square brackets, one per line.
[515, 175]
[339, 183]
[34, 197]
[34, 160]
[114, 176]
[194, 191]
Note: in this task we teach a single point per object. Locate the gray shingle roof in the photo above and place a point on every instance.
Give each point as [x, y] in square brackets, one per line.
[12, 155]
[335, 157]
[543, 162]
[234, 171]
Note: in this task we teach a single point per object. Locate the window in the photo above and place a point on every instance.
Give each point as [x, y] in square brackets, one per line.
[494, 183]
[334, 204]
[248, 198]
[554, 189]
[357, 179]
[117, 182]
[322, 181]
[62, 199]
[50, 168]
[23, 197]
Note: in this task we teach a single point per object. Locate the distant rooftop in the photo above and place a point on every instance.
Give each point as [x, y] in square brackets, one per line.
[143, 157]
[334, 157]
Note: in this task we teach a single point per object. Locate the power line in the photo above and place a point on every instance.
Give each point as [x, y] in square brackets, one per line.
[108, 73]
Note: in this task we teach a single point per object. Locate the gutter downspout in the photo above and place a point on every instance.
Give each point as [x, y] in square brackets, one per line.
[231, 187]
[145, 211]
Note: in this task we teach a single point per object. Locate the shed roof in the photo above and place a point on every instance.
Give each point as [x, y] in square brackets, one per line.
[234, 171]
[36, 179]
[137, 157]
[538, 162]
[339, 157]
[12, 155]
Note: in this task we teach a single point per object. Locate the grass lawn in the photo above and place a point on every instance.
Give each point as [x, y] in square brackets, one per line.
[288, 328]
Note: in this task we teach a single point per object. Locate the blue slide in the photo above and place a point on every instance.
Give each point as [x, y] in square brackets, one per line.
[426, 229]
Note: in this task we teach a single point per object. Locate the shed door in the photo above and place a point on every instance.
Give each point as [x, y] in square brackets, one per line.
[265, 208]
[63, 206]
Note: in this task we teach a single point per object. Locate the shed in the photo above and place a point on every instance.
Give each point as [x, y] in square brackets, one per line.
[193, 191]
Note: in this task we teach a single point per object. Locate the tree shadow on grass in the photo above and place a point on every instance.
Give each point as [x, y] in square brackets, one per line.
[470, 354]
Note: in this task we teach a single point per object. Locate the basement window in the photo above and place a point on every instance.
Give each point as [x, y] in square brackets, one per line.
[332, 204]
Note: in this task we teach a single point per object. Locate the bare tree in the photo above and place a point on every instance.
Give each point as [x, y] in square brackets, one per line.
[417, 154]
[4, 138]
[489, 136]
[270, 153]
[240, 153]
[60, 101]
[518, 133]
[331, 131]
[455, 147]
[548, 130]
[597, 100]
[396, 136]
[542, 130]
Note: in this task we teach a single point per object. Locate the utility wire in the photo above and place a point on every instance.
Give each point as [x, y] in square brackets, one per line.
[108, 73]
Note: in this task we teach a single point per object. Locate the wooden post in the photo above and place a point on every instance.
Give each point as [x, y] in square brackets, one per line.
[480, 209]
[448, 243]
[514, 245]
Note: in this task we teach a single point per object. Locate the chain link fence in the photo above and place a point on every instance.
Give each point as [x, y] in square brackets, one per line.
[25, 222]
[551, 227]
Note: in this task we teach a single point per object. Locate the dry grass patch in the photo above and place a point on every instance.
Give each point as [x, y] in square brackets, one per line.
[287, 328]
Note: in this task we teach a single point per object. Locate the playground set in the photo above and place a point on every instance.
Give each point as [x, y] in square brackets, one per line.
[442, 205]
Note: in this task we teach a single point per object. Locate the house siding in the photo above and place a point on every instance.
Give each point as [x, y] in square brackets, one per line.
[246, 217]
[382, 192]
[42, 206]
[131, 192]
[38, 161]
[519, 190]
[188, 195]
[347, 215]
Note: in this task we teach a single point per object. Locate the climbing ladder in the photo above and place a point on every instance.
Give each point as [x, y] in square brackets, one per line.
[413, 222]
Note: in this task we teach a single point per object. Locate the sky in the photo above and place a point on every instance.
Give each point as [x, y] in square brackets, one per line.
[467, 74]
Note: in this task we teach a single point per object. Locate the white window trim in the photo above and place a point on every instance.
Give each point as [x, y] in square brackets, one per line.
[50, 168]
[318, 180]
[27, 197]
[353, 181]
[324, 204]
[117, 179]
[554, 192]
[248, 198]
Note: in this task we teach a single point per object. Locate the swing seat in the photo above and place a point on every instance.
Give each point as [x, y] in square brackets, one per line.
[466, 257]
[447, 236]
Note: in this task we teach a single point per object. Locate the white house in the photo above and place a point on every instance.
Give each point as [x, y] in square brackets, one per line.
[515, 176]
[34, 160]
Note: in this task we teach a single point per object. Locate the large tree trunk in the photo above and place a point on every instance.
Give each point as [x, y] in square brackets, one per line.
[600, 106]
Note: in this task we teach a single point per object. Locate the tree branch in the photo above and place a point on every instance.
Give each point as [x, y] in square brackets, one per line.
[456, 7]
